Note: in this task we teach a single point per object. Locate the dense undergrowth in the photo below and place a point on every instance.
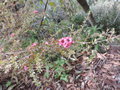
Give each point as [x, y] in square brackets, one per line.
[30, 40]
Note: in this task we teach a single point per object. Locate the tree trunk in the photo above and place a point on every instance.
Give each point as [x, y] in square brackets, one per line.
[86, 8]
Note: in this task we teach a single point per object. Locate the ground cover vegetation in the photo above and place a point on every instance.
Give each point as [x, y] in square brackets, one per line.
[51, 45]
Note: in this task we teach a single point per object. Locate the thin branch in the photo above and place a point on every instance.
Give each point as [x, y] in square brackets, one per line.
[38, 31]
[44, 11]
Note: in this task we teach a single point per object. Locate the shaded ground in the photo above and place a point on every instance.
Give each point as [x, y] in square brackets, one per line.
[102, 74]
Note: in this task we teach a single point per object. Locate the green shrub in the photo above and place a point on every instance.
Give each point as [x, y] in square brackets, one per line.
[78, 19]
[58, 69]
[28, 38]
[107, 14]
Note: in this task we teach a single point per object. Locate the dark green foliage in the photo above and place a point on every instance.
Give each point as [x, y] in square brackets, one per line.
[29, 38]
[78, 19]
[107, 17]
[52, 56]
[58, 69]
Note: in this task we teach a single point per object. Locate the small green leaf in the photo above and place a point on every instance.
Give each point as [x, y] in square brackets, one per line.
[8, 83]
[47, 74]
[41, 2]
[64, 77]
[11, 87]
[97, 47]
[52, 4]
[61, 1]
[56, 75]
[59, 69]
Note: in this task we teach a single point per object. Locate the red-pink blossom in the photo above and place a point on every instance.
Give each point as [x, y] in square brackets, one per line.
[35, 11]
[34, 44]
[12, 34]
[61, 41]
[25, 68]
[46, 43]
[67, 45]
[66, 42]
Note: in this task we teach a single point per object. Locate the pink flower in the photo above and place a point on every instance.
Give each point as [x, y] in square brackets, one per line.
[25, 68]
[46, 43]
[67, 45]
[12, 34]
[61, 41]
[35, 11]
[34, 44]
[66, 42]
[69, 39]
[1, 49]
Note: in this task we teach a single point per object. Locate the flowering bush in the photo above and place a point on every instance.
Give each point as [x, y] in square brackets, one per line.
[29, 52]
